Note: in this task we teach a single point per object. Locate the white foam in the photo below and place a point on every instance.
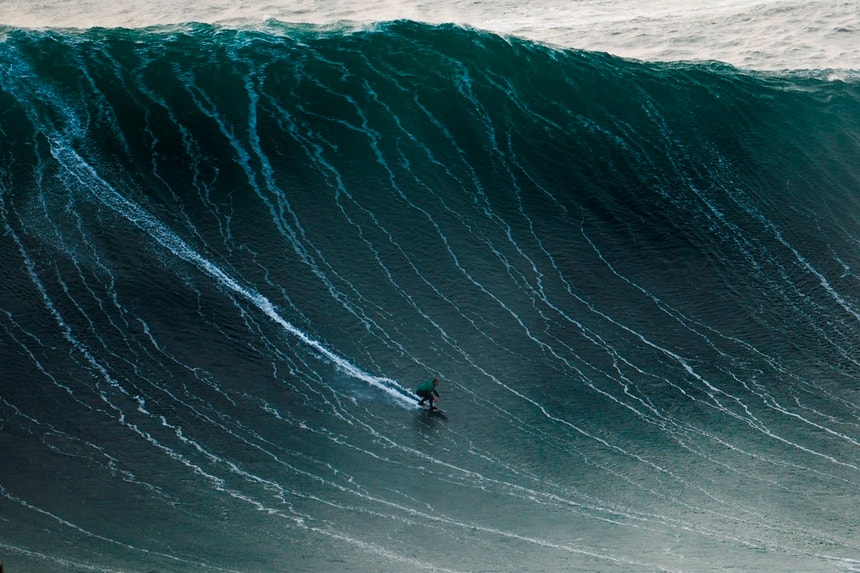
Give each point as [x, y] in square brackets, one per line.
[759, 34]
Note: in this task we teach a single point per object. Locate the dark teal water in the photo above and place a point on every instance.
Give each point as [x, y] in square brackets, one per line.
[228, 257]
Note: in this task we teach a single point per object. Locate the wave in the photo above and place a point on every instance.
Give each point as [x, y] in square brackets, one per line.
[230, 254]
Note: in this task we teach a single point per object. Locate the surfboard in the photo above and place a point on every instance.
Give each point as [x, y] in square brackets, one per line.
[438, 412]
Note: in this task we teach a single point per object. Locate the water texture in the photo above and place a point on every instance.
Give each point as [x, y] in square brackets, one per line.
[230, 254]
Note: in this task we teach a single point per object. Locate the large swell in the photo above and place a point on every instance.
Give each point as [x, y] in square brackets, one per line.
[228, 256]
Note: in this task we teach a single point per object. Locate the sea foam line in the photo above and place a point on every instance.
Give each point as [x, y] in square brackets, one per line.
[146, 222]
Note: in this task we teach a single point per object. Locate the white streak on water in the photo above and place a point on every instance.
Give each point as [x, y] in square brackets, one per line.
[90, 180]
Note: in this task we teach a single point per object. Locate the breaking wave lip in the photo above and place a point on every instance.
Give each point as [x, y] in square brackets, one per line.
[772, 36]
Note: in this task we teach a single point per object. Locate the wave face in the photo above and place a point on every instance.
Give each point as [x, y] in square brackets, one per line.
[230, 255]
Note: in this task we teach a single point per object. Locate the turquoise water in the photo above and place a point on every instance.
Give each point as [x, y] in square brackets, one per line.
[229, 255]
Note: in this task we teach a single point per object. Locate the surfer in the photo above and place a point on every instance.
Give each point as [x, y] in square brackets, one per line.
[427, 391]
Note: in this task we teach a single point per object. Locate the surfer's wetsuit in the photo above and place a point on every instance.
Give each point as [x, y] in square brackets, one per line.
[427, 391]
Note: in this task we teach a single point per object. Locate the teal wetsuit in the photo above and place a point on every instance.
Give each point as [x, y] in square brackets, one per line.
[427, 391]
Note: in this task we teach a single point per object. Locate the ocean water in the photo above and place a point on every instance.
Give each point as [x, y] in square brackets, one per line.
[234, 240]
[756, 34]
